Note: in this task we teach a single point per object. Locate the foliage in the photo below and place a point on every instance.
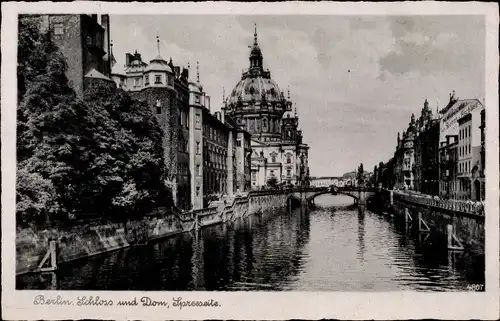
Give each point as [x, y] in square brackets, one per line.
[101, 156]
[126, 174]
[36, 197]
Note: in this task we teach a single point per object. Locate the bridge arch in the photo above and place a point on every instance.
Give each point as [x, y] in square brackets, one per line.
[292, 201]
[312, 197]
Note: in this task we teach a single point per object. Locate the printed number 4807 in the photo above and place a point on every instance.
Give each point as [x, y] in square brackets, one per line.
[475, 287]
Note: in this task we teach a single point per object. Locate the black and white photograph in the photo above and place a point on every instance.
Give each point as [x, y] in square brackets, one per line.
[246, 152]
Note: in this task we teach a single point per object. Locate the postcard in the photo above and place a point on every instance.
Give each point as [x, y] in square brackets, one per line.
[264, 161]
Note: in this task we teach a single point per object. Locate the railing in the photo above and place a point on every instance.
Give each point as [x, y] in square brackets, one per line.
[204, 211]
[476, 208]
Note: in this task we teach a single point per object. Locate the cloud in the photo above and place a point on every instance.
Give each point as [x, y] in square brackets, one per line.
[356, 80]
[434, 44]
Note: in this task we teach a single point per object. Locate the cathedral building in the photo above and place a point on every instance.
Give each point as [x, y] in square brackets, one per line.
[259, 106]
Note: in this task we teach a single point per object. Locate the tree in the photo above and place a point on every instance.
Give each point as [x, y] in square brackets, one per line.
[272, 182]
[102, 155]
[46, 125]
[127, 172]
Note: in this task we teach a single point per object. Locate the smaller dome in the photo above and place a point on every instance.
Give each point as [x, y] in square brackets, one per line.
[158, 64]
[195, 87]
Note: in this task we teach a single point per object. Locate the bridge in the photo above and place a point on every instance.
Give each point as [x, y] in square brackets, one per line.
[306, 196]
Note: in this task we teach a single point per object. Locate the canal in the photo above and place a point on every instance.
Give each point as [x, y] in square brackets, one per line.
[334, 247]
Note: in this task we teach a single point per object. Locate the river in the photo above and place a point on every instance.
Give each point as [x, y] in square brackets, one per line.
[331, 248]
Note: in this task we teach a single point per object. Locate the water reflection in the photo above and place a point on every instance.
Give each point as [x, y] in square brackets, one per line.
[332, 248]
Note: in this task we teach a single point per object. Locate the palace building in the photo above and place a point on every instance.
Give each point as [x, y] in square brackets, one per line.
[259, 106]
[206, 155]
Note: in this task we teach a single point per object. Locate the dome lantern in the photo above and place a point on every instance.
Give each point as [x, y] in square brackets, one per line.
[255, 53]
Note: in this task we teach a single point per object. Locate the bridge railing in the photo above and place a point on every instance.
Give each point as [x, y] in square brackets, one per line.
[476, 208]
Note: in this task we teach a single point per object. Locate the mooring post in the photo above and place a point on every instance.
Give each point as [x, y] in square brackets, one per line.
[450, 236]
[53, 254]
[196, 222]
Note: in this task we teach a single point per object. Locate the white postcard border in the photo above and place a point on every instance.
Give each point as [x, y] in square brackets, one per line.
[252, 305]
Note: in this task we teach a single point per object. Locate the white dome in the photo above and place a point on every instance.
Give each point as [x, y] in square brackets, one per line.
[194, 87]
[158, 64]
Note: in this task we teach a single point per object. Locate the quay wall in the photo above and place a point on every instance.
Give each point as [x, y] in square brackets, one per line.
[467, 220]
[92, 239]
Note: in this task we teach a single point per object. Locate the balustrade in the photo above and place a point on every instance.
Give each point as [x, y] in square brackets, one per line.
[476, 208]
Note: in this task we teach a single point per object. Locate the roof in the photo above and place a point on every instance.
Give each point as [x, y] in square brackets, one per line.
[457, 103]
[96, 74]
[158, 64]
[195, 87]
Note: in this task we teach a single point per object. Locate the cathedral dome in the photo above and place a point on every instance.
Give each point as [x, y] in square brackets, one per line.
[256, 84]
[255, 88]
[256, 103]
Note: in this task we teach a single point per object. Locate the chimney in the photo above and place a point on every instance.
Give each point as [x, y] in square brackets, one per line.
[106, 44]
[185, 73]
[128, 59]
[177, 71]
[207, 102]
[223, 114]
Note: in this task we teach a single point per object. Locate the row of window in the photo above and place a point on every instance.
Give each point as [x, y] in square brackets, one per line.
[464, 167]
[183, 169]
[288, 159]
[464, 150]
[464, 132]
[158, 80]
[271, 174]
[215, 135]
[214, 182]
[288, 173]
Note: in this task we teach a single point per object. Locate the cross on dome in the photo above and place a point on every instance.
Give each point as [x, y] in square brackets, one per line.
[255, 35]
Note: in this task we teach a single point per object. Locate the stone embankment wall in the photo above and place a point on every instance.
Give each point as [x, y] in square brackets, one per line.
[88, 240]
[467, 220]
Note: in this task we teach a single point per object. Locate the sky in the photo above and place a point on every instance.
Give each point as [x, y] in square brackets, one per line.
[355, 80]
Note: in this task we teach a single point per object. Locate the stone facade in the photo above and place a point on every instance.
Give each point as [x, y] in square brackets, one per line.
[83, 40]
[441, 154]
[89, 240]
[448, 156]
